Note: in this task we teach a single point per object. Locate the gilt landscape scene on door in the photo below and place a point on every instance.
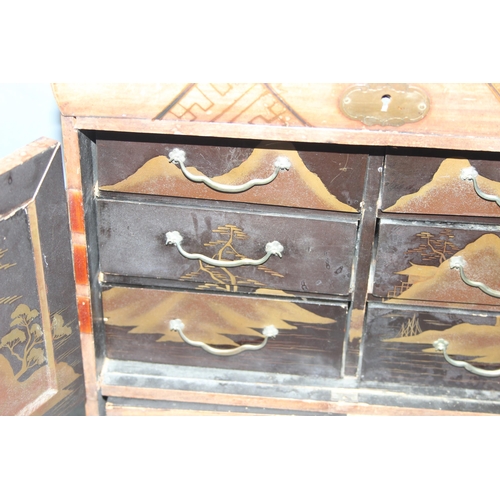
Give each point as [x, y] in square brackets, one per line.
[319, 177]
[38, 368]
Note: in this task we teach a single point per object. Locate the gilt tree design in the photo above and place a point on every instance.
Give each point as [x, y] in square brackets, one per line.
[221, 278]
[435, 249]
[26, 342]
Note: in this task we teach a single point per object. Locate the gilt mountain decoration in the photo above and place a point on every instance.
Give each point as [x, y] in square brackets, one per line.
[296, 187]
[438, 281]
[212, 319]
[449, 194]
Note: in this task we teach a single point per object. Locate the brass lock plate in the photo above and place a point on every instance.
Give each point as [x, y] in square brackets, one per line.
[384, 104]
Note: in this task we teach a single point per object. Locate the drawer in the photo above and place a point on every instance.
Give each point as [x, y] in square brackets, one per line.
[442, 184]
[320, 177]
[399, 348]
[450, 265]
[303, 338]
[316, 255]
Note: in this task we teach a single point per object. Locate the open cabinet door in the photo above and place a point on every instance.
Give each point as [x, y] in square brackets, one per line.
[41, 370]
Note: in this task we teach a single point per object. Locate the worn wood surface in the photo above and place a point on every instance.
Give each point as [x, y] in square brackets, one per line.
[125, 407]
[341, 408]
[116, 410]
[298, 112]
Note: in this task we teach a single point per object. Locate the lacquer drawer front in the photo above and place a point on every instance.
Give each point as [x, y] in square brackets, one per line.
[221, 331]
[300, 255]
[442, 185]
[402, 346]
[439, 263]
[283, 174]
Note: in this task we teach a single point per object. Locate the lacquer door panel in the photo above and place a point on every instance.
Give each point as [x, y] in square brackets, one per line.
[398, 348]
[440, 263]
[316, 257]
[442, 185]
[316, 176]
[40, 358]
[308, 338]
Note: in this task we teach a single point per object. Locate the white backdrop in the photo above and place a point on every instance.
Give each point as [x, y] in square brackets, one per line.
[27, 111]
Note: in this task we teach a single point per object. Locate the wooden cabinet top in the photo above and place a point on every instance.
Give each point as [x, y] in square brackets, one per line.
[452, 116]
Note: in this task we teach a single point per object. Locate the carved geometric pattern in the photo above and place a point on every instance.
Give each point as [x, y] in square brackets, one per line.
[495, 88]
[254, 103]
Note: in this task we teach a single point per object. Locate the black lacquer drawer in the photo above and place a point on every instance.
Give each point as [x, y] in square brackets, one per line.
[316, 254]
[442, 264]
[315, 176]
[442, 183]
[229, 331]
[405, 346]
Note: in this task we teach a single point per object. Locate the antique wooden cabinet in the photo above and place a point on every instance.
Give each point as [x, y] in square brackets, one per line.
[286, 248]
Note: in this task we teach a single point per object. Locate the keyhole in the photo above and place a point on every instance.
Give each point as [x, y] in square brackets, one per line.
[386, 99]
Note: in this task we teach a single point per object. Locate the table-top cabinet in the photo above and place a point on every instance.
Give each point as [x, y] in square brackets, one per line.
[280, 248]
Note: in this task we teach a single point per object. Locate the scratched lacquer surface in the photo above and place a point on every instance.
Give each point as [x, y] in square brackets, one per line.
[40, 357]
[320, 177]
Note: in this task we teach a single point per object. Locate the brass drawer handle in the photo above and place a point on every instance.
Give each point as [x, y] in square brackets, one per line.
[178, 156]
[272, 248]
[442, 345]
[458, 262]
[470, 174]
[269, 331]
